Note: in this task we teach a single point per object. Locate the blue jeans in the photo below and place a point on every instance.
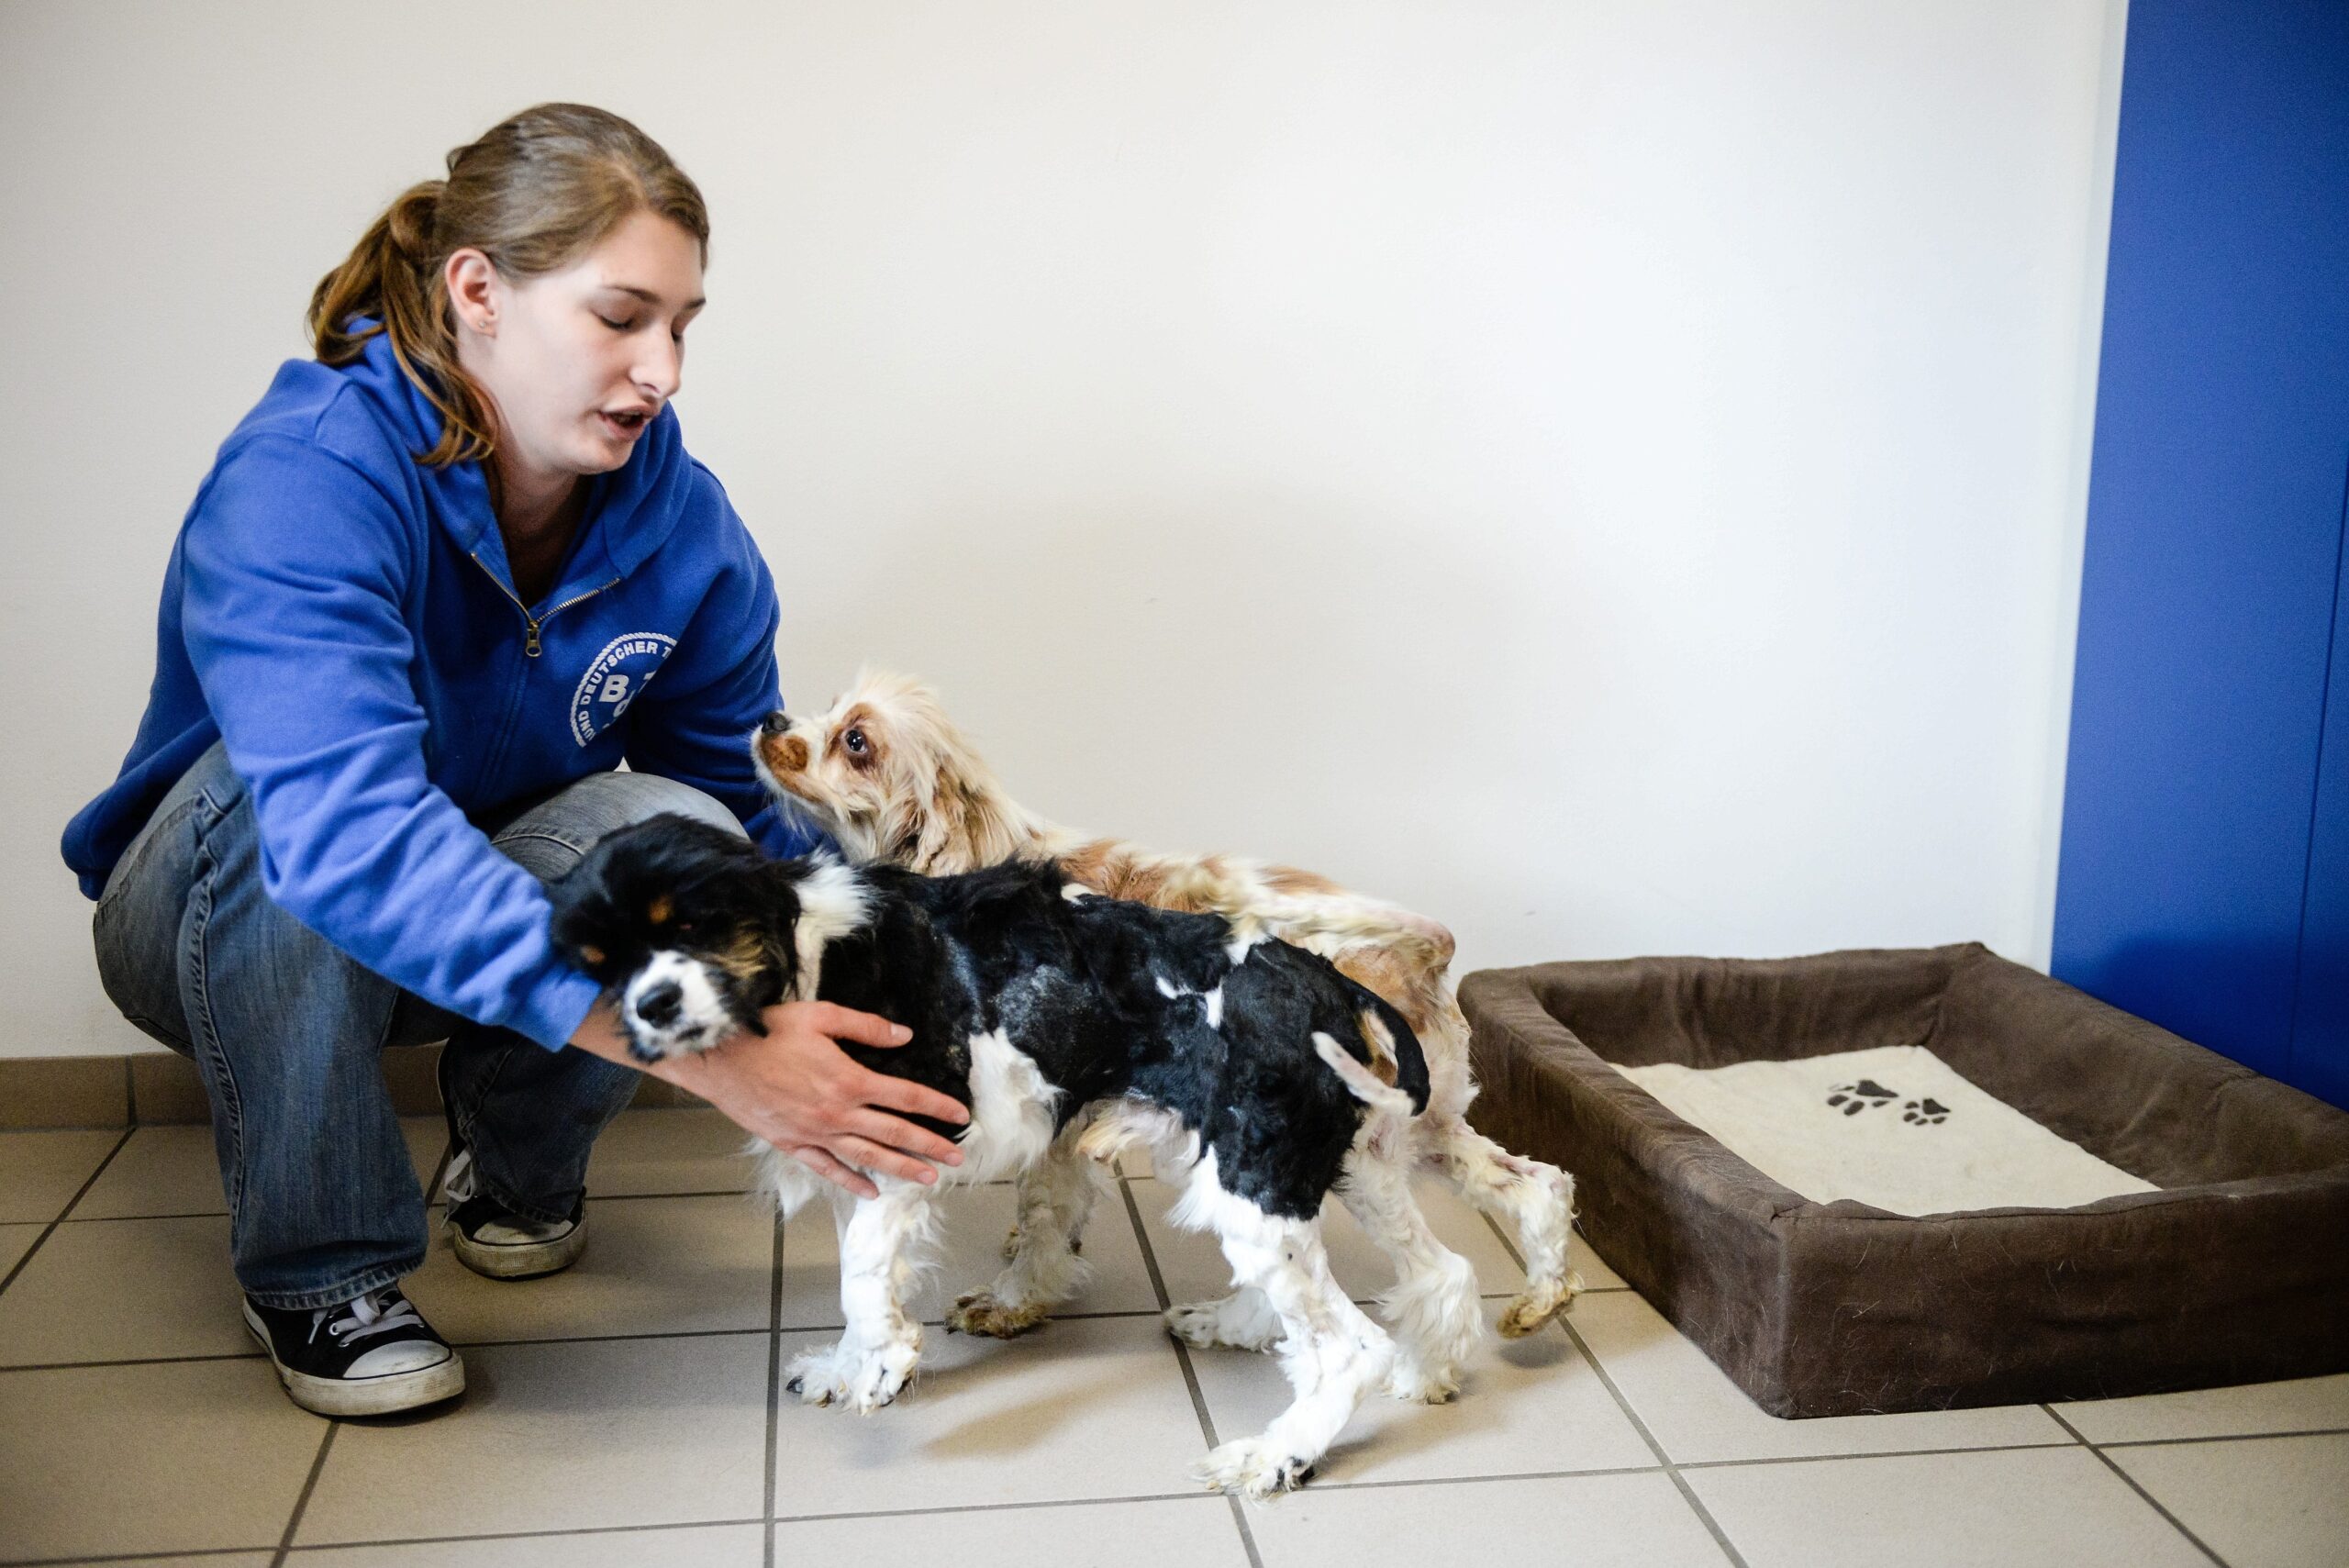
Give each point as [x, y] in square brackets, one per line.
[288, 1030]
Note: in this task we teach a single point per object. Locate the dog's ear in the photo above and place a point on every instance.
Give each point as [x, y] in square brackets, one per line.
[580, 916]
[774, 918]
[964, 826]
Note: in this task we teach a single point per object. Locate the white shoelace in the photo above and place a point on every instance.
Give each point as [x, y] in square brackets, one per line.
[377, 1312]
[457, 1182]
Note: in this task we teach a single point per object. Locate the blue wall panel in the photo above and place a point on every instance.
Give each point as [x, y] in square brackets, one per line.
[2320, 1062]
[2215, 521]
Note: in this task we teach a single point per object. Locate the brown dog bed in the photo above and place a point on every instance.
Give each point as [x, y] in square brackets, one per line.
[2235, 1270]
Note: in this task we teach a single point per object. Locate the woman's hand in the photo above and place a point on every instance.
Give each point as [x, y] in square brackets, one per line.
[797, 1089]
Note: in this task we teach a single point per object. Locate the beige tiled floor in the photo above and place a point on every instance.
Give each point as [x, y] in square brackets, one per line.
[628, 1412]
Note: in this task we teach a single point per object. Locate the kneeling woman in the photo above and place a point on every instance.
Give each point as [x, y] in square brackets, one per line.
[438, 585]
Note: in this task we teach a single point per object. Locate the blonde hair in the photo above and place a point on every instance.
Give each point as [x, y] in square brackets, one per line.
[533, 194]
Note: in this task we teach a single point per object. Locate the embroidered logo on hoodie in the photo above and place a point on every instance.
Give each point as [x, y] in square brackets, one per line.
[612, 682]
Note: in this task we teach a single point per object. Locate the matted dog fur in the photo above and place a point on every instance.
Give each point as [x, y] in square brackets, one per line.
[892, 779]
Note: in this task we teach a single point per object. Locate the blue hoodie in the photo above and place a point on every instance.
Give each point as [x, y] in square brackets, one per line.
[344, 617]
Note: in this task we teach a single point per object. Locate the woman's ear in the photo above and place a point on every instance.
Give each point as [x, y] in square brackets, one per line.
[472, 281]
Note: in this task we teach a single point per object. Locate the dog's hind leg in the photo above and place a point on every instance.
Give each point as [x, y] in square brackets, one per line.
[884, 1248]
[1535, 1203]
[1433, 1306]
[1098, 1175]
[1056, 1198]
[1331, 1353]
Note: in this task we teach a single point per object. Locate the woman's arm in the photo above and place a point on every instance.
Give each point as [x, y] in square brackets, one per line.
[296, 573]
[797, 1089]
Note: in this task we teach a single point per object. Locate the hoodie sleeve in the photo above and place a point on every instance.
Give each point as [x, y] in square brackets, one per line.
[695, 718]
[297, 568]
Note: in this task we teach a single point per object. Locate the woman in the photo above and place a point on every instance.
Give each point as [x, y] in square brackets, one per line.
[438, 585]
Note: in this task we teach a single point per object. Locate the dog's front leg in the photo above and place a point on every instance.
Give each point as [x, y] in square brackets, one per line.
[883, 1245]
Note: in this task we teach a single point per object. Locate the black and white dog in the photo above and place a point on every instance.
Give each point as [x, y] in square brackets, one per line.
[1260, 1078]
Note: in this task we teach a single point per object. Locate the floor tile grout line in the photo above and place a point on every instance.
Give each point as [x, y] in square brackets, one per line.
[1183, 1358]
[435, 1203]
[526, 1341]
[779, 1328]
[134, 1361]
[1867, 1453]
[775, 1391]
[1687, 1493]
[2131, 1482]
[609, 1339]
[744, 1192]
[510, 1535]
[2222, 1438]
[79, 1193]
[301, 1503]
[1507, 1245]
[131, 1557]
[1200, 1497]
[1604, 1470]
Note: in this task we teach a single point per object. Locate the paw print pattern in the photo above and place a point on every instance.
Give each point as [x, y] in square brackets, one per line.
[1927, 1112]
[1867, 1095]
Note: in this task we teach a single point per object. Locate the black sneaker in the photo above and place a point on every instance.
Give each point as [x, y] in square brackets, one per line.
[369, 1356]
[487, 1237]
[493, 1240]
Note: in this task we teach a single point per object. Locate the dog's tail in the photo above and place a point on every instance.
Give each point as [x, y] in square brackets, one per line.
[1396, 1077]
[1360, 1081]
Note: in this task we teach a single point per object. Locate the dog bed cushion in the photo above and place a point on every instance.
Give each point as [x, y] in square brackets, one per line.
[2221, 1256]
[1893, 1127]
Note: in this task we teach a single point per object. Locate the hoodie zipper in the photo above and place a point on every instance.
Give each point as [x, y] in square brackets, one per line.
[531, 646]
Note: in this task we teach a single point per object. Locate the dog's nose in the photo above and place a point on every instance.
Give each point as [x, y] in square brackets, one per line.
[774, 723]
[659, 1002]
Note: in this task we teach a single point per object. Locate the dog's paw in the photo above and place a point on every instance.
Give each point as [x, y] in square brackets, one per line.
[979, 1312]
[855, 1379]
[1533, 1311]
[1226, 1322]
[1417, 1386]
[1254, 1469]
[1927, 1112]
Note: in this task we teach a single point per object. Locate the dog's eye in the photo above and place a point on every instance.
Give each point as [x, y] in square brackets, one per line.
[854, 741]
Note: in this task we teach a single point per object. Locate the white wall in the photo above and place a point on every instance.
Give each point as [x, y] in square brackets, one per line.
[1606, 472]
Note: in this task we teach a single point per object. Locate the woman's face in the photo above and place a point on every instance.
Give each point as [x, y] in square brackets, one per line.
[579, 360]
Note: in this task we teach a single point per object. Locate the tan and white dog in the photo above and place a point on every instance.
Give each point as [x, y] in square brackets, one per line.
[894, 781]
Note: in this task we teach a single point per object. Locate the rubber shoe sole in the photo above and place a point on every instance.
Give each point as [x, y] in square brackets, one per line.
[520, 1260]
[382, 1395]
